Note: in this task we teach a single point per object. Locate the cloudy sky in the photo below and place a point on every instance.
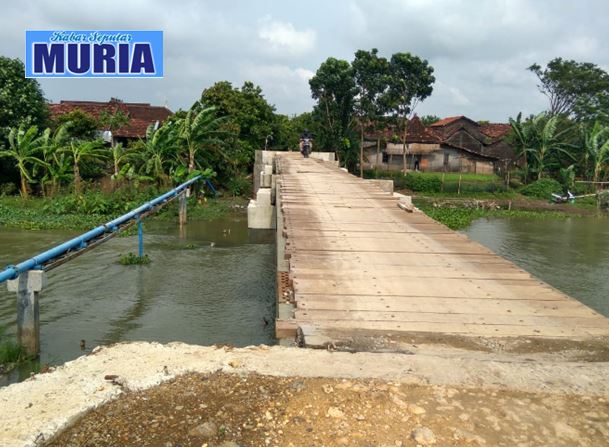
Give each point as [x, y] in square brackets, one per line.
[479, 48]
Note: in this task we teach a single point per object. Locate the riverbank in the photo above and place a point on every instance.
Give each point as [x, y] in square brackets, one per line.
[459, 212]
[82, 212]
[144, 394]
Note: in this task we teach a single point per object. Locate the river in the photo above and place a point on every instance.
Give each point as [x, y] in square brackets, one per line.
[571, 254]
[215, 282]
[212, 283]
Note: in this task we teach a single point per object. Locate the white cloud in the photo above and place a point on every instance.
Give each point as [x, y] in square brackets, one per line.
[284, 37]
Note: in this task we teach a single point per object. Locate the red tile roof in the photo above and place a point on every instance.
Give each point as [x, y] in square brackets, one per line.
[495, 130]
[415, 133]
[141, 115]
[448, 120]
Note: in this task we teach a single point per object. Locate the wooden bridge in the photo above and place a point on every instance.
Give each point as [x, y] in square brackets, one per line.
[360, 269]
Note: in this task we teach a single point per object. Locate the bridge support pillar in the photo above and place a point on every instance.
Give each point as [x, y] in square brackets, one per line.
[27, 286]
[183, 209]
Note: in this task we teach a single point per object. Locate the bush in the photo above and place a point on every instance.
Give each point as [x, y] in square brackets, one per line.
[419, 182]
[239, 185]
[8, 189]
[542, 188]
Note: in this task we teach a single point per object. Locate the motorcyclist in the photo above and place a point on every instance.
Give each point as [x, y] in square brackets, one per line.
[306, 143]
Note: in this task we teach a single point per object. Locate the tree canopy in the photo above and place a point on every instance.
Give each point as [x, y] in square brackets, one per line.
[576, 89]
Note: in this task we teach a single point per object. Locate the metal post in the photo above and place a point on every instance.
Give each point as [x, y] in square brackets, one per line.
[140, 237]
[183, 211]
[27, 286]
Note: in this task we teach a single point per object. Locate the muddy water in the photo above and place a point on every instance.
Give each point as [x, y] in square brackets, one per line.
[571, 255]
[212, 283]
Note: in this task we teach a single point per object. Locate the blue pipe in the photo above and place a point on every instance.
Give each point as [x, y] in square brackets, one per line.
[36, 262]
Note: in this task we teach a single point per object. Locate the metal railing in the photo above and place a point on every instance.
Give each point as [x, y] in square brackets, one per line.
[63, 252]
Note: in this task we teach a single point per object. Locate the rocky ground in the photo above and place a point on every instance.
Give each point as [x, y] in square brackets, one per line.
[179, 395]
[231, 410]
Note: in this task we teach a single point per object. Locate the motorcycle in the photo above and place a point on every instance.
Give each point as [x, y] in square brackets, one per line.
[305, 147]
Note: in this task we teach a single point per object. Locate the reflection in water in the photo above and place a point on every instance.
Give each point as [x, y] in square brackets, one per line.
[212, 282]
[571, 255]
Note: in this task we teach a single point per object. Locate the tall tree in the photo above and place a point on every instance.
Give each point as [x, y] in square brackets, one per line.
[249, 120]
[371, 79]
[578, 89]
[21, 102]
[411, 81]
[24, 147]
[334, 89]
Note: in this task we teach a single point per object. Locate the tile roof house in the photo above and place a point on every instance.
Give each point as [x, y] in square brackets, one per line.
[455, 143]
[141, 115]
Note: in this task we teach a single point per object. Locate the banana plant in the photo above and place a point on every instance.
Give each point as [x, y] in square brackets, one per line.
[80, 151]
[596, 142]
[24, 147]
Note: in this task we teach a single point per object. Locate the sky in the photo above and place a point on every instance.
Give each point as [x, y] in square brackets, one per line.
[480, 49]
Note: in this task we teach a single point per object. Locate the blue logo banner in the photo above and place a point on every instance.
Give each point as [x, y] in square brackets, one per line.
[94, 54]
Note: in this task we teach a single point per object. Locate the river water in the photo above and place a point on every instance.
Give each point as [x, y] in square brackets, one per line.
[214, 282]
[572, 254]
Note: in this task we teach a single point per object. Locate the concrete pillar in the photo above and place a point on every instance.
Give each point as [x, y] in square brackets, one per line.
[183, 206]
[27, 286]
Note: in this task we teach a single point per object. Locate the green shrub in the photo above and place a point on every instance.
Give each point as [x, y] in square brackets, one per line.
[239, 185]
[542, 188]
[133, 259]
[8, 189]
[419, 182]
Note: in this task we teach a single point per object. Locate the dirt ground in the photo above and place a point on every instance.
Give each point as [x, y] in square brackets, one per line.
[229, 410]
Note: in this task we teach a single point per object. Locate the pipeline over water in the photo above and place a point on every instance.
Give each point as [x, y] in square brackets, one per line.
[80, 242]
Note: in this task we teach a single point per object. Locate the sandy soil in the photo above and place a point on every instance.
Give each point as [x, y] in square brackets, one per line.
[174, 395]
[252, 410]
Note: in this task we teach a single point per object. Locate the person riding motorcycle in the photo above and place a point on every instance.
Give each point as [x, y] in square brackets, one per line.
[306, 143]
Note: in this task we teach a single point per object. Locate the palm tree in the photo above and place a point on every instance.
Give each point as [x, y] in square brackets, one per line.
[596, 142]
[523, 140]
[24, 145]
[200, 127]
[80, 151]
[155, 154]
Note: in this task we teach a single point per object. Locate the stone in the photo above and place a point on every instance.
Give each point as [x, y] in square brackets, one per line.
[327, 389]
[565, 431]
[205, 430]
[229, 444]
[334, 412]
[468, 437]
[423, 436]
[415, 409]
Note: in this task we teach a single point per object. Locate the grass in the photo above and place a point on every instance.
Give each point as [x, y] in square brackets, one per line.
[11, 354]
[457, 218]
[133, 259]
[37, 213]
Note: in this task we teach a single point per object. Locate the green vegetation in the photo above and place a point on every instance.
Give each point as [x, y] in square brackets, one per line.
[445, 183]
[86, 211]
[11, 354]
[461, 217]
[542, 189]
[133, 259]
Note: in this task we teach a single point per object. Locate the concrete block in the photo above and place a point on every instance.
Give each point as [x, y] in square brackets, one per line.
[385, 185]
[268, 169]
[32, 281]
[266, 180]
[263, 197]
[285, 311]
[261, 216]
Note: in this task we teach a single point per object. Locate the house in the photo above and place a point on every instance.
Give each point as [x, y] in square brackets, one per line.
[454, 145]
[141, 115]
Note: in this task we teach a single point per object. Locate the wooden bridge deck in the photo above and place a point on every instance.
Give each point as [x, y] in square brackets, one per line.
[358, 262]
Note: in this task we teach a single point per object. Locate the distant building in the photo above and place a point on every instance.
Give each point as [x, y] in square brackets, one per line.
[455, 144]
[141, 115]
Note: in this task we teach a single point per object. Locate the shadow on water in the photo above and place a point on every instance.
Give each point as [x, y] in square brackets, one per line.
[211, 282]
